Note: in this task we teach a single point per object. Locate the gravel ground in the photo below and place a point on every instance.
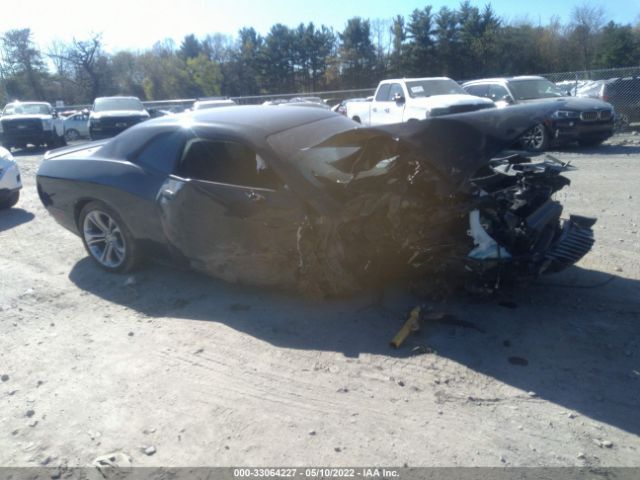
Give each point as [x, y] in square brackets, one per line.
[211, 374]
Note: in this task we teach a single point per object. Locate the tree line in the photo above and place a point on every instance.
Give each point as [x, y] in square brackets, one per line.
[462, 43]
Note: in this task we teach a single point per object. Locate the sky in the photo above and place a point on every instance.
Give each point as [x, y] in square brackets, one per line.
[138, 24]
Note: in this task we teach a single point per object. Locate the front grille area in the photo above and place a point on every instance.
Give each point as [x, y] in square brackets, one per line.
[22, 127]
[606, 114]
[118, 122]
[596, 115]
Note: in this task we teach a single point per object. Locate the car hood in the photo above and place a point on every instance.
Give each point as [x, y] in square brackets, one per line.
[571, 103]
[119, 113]
[456, 146]
[443, 101]
[9, 118]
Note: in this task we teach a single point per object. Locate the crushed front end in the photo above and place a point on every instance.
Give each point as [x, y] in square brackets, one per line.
[429, 203]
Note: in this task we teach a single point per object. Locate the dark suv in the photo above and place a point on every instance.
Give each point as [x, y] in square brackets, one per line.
[585, 120]
[112, 115]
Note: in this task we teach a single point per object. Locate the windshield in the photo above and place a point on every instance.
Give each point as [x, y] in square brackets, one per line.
[536, 88]
[429, 88]
[27, 109]
[106, 104]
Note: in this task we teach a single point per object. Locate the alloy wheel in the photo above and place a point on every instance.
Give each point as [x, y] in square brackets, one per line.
[104, 239]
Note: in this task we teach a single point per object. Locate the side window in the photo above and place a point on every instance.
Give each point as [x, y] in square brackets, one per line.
[383, 93]
[162, 152]
[477, 90]
[396, 88]
[497, 92]
[226, 162]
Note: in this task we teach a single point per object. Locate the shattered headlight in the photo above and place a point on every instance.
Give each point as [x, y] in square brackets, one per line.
[564, 114]
[47, 124]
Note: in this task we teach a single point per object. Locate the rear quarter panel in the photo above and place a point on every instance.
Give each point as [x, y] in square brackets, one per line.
[66, 185]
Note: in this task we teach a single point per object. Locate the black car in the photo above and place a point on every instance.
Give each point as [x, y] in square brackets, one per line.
[112, 115]
[587, 121]
[31, 123]
[304, 198]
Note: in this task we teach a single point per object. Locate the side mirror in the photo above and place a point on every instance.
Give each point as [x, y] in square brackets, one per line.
[398, 98]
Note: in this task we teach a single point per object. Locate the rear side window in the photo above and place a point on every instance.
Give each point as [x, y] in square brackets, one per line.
[383, 93]
[162, 152]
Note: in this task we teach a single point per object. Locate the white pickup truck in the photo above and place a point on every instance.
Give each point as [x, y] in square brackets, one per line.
[407, 99]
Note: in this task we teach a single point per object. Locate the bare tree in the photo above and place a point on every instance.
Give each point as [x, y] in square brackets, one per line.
[586, 23]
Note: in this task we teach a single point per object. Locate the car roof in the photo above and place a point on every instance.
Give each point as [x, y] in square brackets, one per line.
[254, 123]
[504, 79]
[414, 79]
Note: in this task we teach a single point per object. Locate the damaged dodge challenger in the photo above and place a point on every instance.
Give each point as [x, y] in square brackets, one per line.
[308, 200]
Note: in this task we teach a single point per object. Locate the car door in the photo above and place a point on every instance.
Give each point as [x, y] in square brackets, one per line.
[380, 104]
[397, 102]
[230, 215]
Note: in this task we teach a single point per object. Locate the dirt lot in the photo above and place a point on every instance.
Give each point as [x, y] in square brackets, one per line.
[212, 374]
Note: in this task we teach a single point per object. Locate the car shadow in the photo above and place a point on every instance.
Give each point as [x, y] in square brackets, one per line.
[13, 217]
[572, 338]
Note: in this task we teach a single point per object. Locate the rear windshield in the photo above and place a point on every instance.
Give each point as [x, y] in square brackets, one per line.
[430, 88]
[27, 109]
[106, 104]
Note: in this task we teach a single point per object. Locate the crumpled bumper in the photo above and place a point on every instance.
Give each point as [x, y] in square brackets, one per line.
[574, 242]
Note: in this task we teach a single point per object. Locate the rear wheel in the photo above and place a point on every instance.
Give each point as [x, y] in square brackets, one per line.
[535, 139]
[107, 238]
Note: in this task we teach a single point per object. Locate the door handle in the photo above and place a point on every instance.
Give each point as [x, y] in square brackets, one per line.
[375, 109]
[386, 110]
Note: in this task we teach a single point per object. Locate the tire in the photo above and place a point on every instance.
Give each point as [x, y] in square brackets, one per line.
[71, 135]
[107, 239]
[10, 201]
[536, 139]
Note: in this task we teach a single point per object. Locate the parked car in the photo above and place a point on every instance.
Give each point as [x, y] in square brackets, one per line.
[76, 126]
[111, 115]
[214, 103]
[409, 99]
[34, 123]
[587, 121]
[303, 198]
[10, 182]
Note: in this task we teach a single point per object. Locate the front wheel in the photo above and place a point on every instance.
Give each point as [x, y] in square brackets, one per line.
[10, 201]
[107, 238]
[536, 139]
[71, 135]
